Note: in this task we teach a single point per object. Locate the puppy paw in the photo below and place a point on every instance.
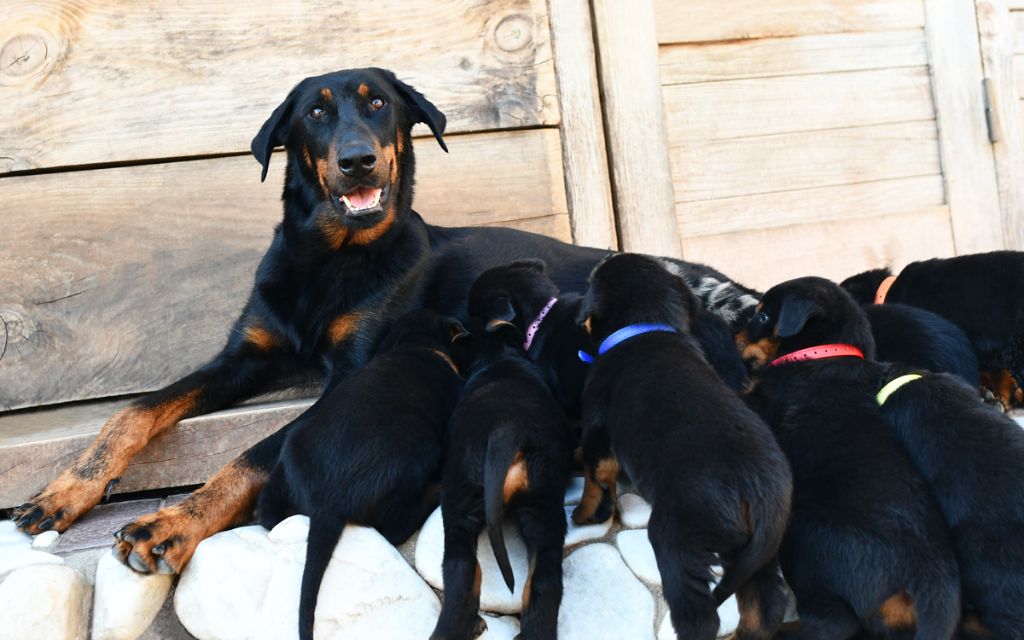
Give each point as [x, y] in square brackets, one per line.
[161, 542]
[60, 504]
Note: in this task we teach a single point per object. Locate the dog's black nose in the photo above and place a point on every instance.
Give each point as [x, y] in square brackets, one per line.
[357, 160]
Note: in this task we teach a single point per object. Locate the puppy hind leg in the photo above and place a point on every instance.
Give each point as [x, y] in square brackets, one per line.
[404, 516]
[460, 608]
[275, 500]
[685, 581]
[543, 529]
[822, 617]
[762, 604]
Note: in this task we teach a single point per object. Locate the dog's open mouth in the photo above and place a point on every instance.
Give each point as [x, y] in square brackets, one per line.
[362, 201]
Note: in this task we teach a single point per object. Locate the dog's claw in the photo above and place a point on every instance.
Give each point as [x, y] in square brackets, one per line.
[164, 568]
[135, 562]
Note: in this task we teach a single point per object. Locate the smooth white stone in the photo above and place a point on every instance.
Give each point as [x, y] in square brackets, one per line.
[1020, 420]
[577, 533]
[728, 617]
[503, 628]
[11, 535]
[634, 511]
[291, 530]
[574, 490]
[638, 553]
[125, 602]
[44, 601]
[602, 598]
[16, 557]
[494, 594]
[45, 540]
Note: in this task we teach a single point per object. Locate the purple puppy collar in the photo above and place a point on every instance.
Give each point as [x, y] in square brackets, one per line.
[531, 331]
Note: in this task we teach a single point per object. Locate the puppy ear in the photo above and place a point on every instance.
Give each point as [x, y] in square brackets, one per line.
[420, 109]
[457, 331]
[502, 309]
[531, 263]
[496, 324]
[795, 313]
[273, 133]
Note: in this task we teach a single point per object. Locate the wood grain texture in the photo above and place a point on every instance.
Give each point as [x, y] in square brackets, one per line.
[122, 280]
[97, 81]
[997, 35]
[186, 454]
[635, 122]
[803, 160]
[710, 20]
[805, 206]
[587, 183]
[761, 258]
[968, 165]
[767, 57]
[765, 106]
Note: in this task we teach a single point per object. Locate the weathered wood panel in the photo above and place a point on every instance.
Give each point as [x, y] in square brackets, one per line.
[708, 20]
[827, 53]
[100, 81]
[764, 106]
[786, 208]
[122, 280]
[761, 258]
[704, 170]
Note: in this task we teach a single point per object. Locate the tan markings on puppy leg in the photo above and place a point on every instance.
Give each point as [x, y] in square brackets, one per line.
[586, 326]
[595, 483]
[973, 626]
[363, 90]
[528, 585]
[607, 473]
[260, 338]
[749, 605]
[478, 578]
[372, 234]
[165, 541]
[326, 94]
[343, 327]
[515, 478]
[898, 612]
[1002, 385]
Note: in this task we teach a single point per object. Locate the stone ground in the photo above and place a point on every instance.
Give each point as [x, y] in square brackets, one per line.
[244, 583]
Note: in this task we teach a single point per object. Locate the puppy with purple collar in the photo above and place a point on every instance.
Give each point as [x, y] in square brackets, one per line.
[718, 484]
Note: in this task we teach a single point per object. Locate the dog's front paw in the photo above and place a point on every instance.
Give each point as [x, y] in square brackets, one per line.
[161, 542]
[60, 504]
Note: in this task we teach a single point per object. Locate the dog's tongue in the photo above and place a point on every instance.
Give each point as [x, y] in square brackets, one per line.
[362, 197]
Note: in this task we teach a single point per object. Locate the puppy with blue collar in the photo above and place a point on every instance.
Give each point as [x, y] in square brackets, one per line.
[718, 484]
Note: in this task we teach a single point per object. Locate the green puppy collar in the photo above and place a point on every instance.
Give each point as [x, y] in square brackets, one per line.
[893, 385]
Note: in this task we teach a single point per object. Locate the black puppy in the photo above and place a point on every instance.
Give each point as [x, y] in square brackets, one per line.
[717, 482]
[922, 339]
[972, 457]
[509, 450]
[981, 293]
[867, 547]
[369, 455]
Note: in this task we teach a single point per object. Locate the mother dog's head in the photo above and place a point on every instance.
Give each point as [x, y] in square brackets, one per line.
[350, 162]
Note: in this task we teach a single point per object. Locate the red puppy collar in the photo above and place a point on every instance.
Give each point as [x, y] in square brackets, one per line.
[883, 289]
[819, 352]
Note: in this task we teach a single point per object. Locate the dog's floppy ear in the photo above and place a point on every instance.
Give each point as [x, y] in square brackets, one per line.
[420, 109]
[273, 132]
[457, 331]
[795, 313]
[502, 309]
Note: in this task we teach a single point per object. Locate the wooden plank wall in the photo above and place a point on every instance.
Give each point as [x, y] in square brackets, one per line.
[133, 217]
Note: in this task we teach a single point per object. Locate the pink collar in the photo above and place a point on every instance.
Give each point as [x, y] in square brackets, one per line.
[819, 352]
[531, 331]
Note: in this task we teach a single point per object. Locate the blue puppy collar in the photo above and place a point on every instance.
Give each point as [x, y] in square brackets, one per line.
[623, 334]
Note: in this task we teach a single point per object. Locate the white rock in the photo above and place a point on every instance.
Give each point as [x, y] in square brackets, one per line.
[728, 616]
[1019, 419]
[602, 598]
[15, 557]
[494, 594]
[45, 540]
[634, 511]
[638, 553]
[369, 590]
[574, 490]
[11, 535]
[290, 530]
[577, 533]
[44, 601]
[125, 602]
[503, 628]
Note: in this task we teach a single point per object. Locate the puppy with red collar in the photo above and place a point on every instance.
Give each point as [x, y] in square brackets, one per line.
[717, 482]
[867, 548]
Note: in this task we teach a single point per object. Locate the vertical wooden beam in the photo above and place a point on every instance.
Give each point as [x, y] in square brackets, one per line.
[587, 184]
[996, 31]
[637, 141]
[968, 166]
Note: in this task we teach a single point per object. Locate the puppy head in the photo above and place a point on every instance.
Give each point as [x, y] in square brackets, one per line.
[630, 288]
[348, 136]
[515, 293]
[803, 313]
[428, 329]
[863, 286]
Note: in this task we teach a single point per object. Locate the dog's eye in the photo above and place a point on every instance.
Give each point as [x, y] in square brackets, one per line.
[763, 318]
[377, 103]
[317, 113]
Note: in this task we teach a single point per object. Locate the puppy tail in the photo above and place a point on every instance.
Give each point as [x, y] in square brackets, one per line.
[324, 533]
[504, 476]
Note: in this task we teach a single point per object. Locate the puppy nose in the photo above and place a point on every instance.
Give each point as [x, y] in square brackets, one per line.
[357, 160]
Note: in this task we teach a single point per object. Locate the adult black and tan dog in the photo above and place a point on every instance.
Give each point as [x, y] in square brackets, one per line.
[867, 547]
[369, 457]
[349, 257]
[718, 484]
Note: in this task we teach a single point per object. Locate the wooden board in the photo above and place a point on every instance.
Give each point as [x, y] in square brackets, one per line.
[122, 280]
[709, 20]
[803, 160]
[734, 59]
[761, 258]
[187, 454]
[786, 208]
[764, 106]
[102, 82]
